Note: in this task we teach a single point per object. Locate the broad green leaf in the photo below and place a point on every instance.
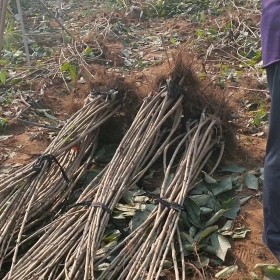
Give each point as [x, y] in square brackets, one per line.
[220, 244]
[186, 238]
[240, 233]
[238, 188]
[214, 204]
[235, 180]
[188, 247]
[119, 221]
[192, 247]
[202, 76]
[87, 51]
[205, 233]
[16, 81]
[200, 32]
[17, 17]
[201, 199]
[225, 196]
[3, 76]
[172, 41]
[105, 154]
[112, 237]
[236, 184]
[232, 206]
[211, 250]
[192, 231]
[221, 187]
[200, 189]
[90, 176]
[226, 272]
[127, 53]
[208, 179]
[270, 272]
[227, 226]
[251, 181]
[203, 262]
[184, 219]
[227, 233]
[30, 43]
[73, 73]
[19, 54]
[233, 169]
[140, 217]
[244, 200]
[215, 218]
[127, 62]
[3, 122]
[128, 198]
[4, 61]
[167, 264]
[206, 210]
[65, 66]
[193, 212]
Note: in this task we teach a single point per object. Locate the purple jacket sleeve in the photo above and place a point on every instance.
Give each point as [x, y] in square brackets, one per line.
[270, 31]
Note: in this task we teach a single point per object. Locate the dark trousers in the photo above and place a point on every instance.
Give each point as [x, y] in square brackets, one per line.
[271, 193]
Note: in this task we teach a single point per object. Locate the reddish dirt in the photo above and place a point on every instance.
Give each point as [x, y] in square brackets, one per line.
[26, 143]
[248, 252]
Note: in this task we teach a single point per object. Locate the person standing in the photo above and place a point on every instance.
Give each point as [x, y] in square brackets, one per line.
[270, 41]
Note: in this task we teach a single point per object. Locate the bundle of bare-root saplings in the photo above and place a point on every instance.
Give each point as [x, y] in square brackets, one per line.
[28, 196]
[145, 250]
[68, 247]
